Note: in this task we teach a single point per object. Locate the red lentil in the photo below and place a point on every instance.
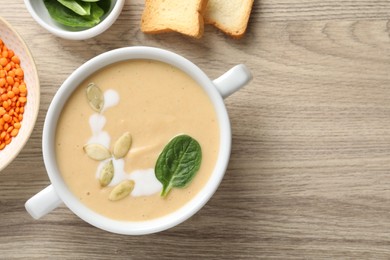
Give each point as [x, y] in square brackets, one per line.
[13, 95]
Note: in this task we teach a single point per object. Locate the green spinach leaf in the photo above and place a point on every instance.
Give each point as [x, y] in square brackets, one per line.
[105, 5]
[178, 163]
[65, 16]
[79, 7]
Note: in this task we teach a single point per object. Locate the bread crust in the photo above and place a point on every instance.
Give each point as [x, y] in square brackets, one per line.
[153, 23]
[236, 33]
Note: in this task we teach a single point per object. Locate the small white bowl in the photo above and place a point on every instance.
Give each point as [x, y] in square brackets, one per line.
[14, 42]
[40, 14]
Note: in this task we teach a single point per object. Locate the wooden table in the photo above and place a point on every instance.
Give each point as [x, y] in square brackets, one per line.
[309, 175]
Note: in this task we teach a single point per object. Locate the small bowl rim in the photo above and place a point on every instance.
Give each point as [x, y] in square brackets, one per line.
[79, 35]
[30, 129]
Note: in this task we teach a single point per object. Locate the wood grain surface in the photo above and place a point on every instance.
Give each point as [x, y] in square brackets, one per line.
[309, 175]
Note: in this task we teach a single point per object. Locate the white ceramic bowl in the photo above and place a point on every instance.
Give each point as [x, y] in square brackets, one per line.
[14, 42]
[40, 14]
[58, 192]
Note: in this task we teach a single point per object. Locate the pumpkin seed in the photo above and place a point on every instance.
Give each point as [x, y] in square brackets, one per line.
[106, 174]
[97, 152]
[122, 190]
[122, 146]
[95, 97]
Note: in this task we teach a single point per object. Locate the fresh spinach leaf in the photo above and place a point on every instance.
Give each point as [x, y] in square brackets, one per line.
[79, 7]
[105, 5]
[178, 163]
[96, 12]
[65, 16]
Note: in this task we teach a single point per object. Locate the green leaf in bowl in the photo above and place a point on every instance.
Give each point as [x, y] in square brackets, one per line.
[65, 16]
[79, 7]
[178, 163]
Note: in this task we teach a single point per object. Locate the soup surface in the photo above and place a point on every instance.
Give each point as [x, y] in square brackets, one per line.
[153, 101]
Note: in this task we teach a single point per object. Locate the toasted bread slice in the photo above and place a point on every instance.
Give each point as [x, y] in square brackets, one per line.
[230, 16]
[183, 16]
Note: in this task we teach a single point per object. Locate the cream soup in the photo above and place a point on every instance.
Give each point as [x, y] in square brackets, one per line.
[153, 101]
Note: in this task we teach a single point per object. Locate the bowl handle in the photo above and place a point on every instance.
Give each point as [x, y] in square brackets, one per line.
[43, 202]
[233, 80]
